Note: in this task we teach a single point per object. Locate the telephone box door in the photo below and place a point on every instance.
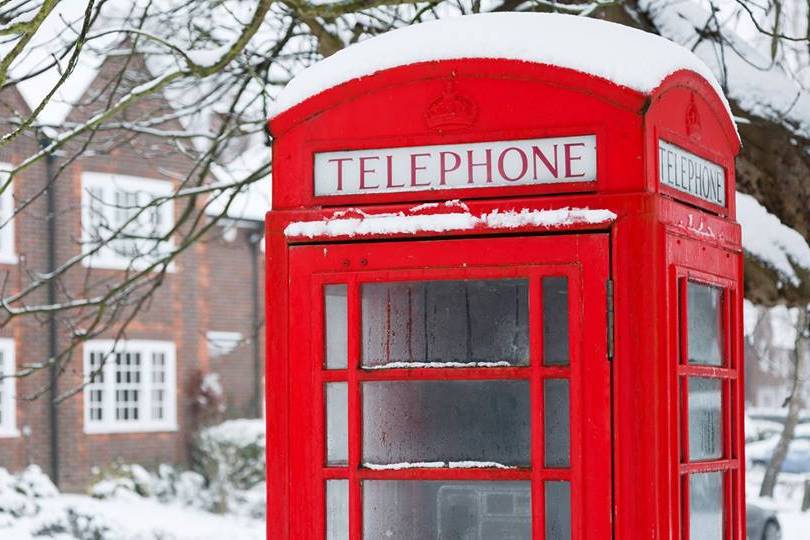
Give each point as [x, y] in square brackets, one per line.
[457, 389]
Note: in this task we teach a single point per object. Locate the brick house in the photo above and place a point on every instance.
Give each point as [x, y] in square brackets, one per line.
[205, 318]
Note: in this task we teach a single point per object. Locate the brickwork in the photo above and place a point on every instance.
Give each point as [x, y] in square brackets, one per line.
[209, 289]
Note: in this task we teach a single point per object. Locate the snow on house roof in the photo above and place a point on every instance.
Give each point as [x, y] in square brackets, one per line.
[252, 202]
[59, 29]
[769, 240]
[626, 56]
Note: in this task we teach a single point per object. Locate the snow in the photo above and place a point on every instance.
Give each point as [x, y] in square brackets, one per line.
[51, 38]
[436, 465]
[250, 202]
[625, 56]
[133, 518]
[437, 365]
[786, 502]
[769, 240]
[758, 85]
[402, 223]
[242, 432]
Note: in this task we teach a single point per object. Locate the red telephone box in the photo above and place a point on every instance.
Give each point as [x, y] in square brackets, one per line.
[504, 291]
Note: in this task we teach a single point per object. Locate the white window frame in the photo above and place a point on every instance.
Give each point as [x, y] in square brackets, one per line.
[8, 403]
[8, 252]
[99, 192]
[107, 349]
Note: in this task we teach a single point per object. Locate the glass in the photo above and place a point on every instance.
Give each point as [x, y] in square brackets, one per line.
[408, 324]
[555, 321]
[704, 324]
[705, 418]
[336, 323]
[557, 429]
[337, 423]
[337, 510]
[446, 510]
[558, 511]
[446, 423]
[706, 506]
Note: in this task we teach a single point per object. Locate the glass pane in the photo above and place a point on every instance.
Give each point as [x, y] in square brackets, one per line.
[335, 312]
[337, 510]
[446, 510]
[555, 321]
[558, 511]
[706, 506]
[409, 324]
[705, 323]
[445, 423]
[557, 419]
[705, 418]
[337, 423]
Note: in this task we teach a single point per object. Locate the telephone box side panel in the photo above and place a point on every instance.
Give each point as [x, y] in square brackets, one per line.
[642, 480]
[277, 410]
[487, 100]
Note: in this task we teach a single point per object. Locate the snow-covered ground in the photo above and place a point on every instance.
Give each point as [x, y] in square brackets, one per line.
[131, 518]
[787, 503]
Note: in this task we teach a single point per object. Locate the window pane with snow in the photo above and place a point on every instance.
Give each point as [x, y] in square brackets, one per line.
[337, 423]
[446, 424]
[337, 334]
[555, 321]
[705, 324]
[706, 506]
[450, 323]
[558, 510]
[337, 510]
[557, 428]
[705, 418]
[445, 510]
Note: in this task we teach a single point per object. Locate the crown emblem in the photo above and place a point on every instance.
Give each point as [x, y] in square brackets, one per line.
[451, 110]
[693, 127]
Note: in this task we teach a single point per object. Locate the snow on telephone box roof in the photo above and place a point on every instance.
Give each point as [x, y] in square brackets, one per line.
[625, 56]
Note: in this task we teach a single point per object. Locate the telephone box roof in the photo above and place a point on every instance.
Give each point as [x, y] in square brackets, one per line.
[625, 56]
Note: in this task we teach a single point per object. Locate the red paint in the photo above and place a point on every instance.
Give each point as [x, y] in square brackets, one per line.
[629, 464]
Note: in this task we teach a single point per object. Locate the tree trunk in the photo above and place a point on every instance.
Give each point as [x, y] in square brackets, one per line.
[806, 498]
[794, 404]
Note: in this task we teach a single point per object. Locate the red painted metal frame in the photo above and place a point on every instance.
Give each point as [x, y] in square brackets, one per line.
[704, 265]
[660, 237]
[583, 259]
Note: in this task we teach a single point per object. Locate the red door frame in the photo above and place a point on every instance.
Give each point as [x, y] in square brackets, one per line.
[692, 261]
[583, 258]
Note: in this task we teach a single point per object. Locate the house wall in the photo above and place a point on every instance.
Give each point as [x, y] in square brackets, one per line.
[209, 289]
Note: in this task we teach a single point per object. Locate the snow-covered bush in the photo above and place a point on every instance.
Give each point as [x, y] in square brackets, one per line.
[78, 525]
[231, 456]
[19, 492]
[168, 484]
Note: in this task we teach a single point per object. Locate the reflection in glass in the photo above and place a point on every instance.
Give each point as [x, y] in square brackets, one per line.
[558, 511]
[706, 506]
[555, 321]
[705, 418]
[337, 510]
[705, 324]
[337, 423]
[446, 510]
[464, 322]
[446, 421]
[557, 422]
[335, 313]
